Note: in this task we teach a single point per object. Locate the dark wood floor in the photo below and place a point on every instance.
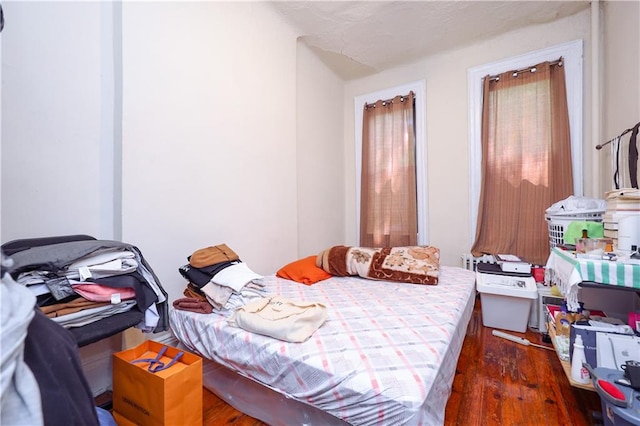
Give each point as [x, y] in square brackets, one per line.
[497, 382]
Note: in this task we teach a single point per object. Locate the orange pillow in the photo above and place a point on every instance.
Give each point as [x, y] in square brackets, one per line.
[303, 271]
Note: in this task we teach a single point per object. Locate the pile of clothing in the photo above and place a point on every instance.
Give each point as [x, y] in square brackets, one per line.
[218, 280]
[77, 283]
[40, 367]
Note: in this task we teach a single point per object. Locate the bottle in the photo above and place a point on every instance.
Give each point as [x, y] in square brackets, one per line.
[579, 374]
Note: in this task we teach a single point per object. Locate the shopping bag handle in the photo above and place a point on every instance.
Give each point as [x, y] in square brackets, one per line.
[155, 364]
[161, 365]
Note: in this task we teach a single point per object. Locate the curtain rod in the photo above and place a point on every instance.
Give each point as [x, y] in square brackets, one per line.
[384, 102]
[599, 147]
[531, 68]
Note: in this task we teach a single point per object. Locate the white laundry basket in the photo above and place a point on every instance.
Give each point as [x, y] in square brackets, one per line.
[558, 222]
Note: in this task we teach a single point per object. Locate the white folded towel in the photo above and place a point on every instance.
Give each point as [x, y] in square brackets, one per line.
[235, 276]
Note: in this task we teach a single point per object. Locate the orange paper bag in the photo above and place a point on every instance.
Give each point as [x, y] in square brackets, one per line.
[150, 393]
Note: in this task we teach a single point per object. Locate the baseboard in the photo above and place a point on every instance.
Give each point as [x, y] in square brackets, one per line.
[166, 338]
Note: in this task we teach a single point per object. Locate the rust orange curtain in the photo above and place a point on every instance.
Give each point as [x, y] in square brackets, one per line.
[526, 161]
[388, 209]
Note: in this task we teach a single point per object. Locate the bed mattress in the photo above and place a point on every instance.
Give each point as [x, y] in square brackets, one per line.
[386, 354]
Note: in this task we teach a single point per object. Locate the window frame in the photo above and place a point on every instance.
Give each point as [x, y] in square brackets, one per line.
[572, 53]
[418, 88]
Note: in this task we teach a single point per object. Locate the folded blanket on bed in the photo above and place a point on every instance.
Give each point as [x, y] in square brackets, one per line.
[412, 264]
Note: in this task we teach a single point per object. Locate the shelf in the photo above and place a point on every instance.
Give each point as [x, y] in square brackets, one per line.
[566, 365]
[591, 284]
[106, 327]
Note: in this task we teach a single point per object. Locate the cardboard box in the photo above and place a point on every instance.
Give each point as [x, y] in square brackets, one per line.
[506, 300]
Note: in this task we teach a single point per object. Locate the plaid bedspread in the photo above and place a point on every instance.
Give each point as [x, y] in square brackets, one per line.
[386, 354]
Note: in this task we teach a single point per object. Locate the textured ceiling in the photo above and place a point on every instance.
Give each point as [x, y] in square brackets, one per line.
[358, 38]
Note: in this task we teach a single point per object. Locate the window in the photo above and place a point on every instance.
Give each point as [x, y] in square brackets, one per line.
[420, 157]
[388, 193]
[572, 60]
[526, 159]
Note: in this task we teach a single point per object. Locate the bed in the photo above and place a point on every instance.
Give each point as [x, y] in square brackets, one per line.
[386, 354]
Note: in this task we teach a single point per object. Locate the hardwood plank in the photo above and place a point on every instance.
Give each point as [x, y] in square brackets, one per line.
[496, 382]
[218, 412]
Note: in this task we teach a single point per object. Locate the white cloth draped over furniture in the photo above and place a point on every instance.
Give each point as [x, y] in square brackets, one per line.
[567, 271]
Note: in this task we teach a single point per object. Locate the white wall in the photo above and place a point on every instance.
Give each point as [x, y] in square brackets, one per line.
[52, 170]
[447, 124]
[620, 82]
[320, 155]
[209, 133]
[209, 126]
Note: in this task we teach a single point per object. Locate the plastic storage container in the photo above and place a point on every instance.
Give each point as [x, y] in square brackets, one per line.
[506, 300]
[612, 414]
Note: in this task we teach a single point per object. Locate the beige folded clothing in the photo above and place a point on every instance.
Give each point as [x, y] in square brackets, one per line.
[217, 295]
[283, 319]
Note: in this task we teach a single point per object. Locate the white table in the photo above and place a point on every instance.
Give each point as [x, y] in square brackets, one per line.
[568, 272]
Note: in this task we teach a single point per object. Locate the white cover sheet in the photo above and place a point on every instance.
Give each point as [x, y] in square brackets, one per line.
[386, 354]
